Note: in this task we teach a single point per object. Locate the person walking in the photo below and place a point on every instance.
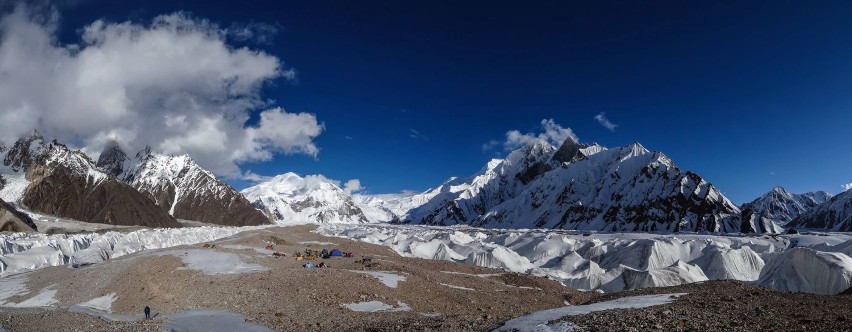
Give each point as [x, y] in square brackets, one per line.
[147, 312]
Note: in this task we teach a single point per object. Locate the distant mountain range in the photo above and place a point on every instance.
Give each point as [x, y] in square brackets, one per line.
[573, 186]
[771, 212]
[153, 190]
[589, 187]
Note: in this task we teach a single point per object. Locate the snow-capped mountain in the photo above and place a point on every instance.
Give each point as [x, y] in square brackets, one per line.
[113, 160]
[50, 178]
[833, 215]
[773, 210]
[395, 207]
[290, 198]
[586, 187]
[181, 187]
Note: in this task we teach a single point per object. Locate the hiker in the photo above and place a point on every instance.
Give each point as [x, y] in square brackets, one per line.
[147, 312]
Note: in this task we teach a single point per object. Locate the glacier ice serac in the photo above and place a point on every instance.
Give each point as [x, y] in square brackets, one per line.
[813, 263]
[20, 252]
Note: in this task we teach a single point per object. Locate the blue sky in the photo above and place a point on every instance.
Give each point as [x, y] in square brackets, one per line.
[748, 95]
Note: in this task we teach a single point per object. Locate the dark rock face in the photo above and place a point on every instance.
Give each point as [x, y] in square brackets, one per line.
[112, 159]
[568, 151]
[12, 220]
[231, 209]
[58, 191]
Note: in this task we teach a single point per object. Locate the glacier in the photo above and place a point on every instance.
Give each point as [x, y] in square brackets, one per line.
[610, 262]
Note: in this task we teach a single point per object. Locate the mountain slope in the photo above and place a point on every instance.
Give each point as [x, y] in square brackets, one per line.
[293, 199]
[12, 220]
[587, 188]
[770, 212]
[53, 179]
[833, 215]
[180, 186]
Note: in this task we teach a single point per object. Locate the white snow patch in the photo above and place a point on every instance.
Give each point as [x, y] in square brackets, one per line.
[457, 287]
[213, 262]
[211, 320]
[537, 321]
[17, 286]
[386, 277]
[103, 303]
[376, 306]
[16, 183]
[12, 286]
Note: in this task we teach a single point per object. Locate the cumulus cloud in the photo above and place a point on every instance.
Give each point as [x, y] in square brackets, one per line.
[847, 186]
[551, 132]
[601, 118]
[353, 186]
[174, 84]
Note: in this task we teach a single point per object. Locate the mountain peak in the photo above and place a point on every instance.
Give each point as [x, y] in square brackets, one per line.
[779, 190]
[113, 160]
[568, 151]
[289, 197]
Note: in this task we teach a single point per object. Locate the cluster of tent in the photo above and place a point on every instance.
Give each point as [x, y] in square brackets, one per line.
[311, 255]
[277, 253]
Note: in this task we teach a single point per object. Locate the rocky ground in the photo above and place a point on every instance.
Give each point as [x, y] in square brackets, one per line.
[723, 306]
[289, 297]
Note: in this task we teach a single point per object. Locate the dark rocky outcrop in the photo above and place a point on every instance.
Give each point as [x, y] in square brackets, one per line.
[113, 160]
[12, 220]
[56, 190]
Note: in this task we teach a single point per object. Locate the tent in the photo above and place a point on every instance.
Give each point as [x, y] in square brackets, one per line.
[335, 253]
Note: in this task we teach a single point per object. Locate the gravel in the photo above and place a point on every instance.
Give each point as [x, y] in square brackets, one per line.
[724, 306]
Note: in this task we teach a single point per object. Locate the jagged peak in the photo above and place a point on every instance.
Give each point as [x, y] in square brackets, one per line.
[144, 153]
[779, 190]
[638, 148]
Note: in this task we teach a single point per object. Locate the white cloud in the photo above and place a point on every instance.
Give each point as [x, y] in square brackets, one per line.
[174, 84]
[847, 186]
[413, 133]
[352, 186]
[605, 122]
[258, 32]
[254, 177]
[551, 132]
